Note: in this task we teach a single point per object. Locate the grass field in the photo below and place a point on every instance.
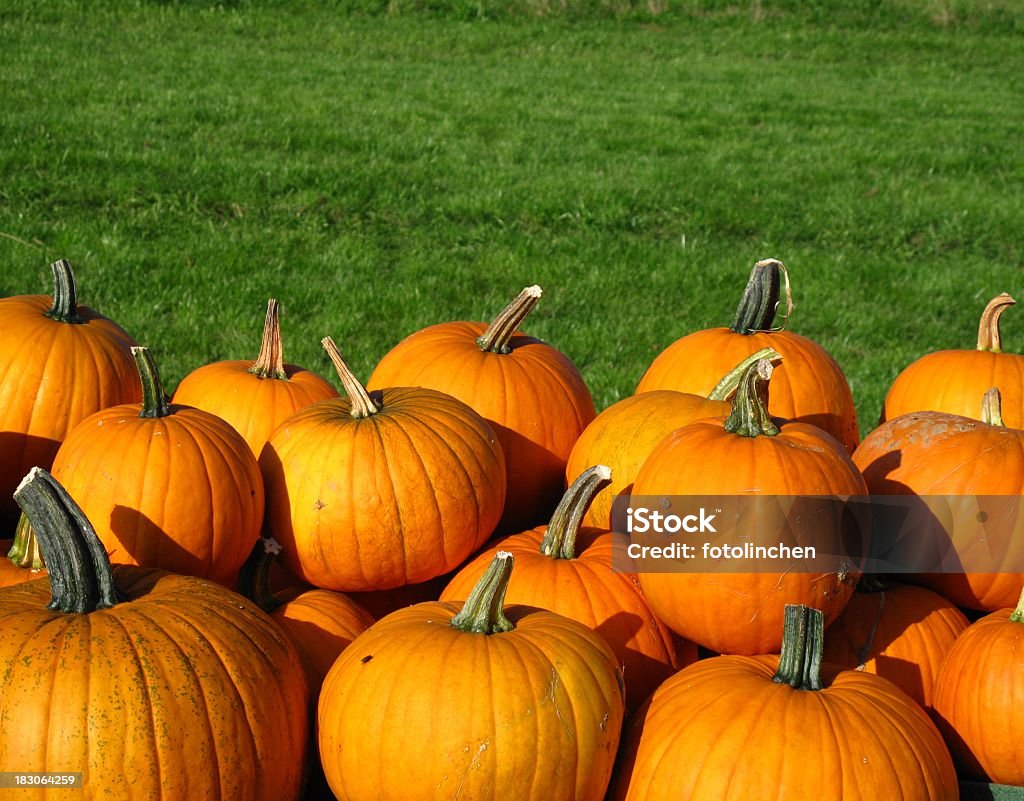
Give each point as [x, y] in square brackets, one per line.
[384, 168]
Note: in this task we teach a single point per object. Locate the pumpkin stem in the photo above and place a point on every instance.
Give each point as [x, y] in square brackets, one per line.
[483, 612]
[730, 382]
[560, 538]
[988, 328]
[362, 404]
[760, 300]
[154, 399]
[65, 294]
[254, 577]
[873, 582]
[992, 408]
[1017, 616]
[25, 548]
[499, 333]
[803, 642]
[749, 416]
[81, 579]
[270, 362]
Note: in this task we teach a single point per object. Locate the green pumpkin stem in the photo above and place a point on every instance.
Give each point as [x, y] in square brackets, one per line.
[803, 642]
[254, 577]
[270, 362]
[154, 399]
[1017, 616]
[730, 382]
[81, 579]
[65, 294]
[560, 538]
[499, 333]
[749, 416]
[992, 408]
[483, 612]
[760, 300]
[362, 404]
[24, 551]
[988, 329]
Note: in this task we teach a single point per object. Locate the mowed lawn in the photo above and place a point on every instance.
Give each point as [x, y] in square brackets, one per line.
[381, 172]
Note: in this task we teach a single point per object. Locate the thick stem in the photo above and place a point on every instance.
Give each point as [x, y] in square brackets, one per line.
[270, 362]
[154, 400]
[81, 579]
[760, 300]
[499, 333]
[749, 416]
[730, 382]
[254, 577]
[25, 548]
[803, 642]
[362, 404]
[988, 328]
[992, 408]
[65, 294]
[560, 539]
[483, 612]
[1017, 616]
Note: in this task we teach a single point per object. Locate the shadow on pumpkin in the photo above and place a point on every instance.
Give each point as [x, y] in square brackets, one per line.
[19, 453]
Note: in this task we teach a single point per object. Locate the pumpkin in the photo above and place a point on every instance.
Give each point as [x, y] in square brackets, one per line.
[952, 380]
[381, 603]
[746, 454]
[954, 459]
[371, 492]
[567, 569]
[732, 728]
[977, 697]
[254, 396]
[897, 631]
[166, 486]
[440, 702]
[531, 394]
[809, 386]
[23, 561]
[624, 434]
[59, 363]
[152, 685]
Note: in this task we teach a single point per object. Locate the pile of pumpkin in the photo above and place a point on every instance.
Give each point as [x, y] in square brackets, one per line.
[172, 616]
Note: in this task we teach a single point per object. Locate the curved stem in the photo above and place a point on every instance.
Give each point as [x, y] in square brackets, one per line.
[992, 408]
[362, 404]
[749, 416]
[483, 612]
[560, 538]
[270, 362]
[760, 300]
[499, 333]
[81, 579]
[254, 577]
[25, 548]
[803, 642]
[1017, 616]
[988, 328]
[65, 294]
[730, 382]
[154, 399]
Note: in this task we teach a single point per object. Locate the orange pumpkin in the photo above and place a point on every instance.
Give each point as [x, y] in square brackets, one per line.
[567, 569]
[809, 386]
[747, 453]
[531, 394]
[489, 702]
[254, 396]
[152, 685]
[952, 380]
[734, 728]
[60, 362]
[376, 491]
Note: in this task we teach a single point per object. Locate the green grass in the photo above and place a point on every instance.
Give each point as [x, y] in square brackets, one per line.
[381, 166]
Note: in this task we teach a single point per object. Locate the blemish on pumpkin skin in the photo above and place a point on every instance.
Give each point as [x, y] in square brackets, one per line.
[366, 658]
[319, 505]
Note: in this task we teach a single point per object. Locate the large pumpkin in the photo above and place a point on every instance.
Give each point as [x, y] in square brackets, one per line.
[567, 569]
[379, 490]
[735, 728]
[255, 396]
[479, 702]
[59, 363]
[531, 394]
[809, 386]
[151, 685]
[747, 454]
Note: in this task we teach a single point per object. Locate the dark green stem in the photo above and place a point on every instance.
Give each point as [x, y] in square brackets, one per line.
[803, 642]
[154, 400]
[81, 579]
[499, 333]
[483, 612]
[362, 404]
[65, 294]
[270, 362]
[560, 538]
[760, 300]
[749, 416]
[25, 548]
[730, 382]
[1017, 616]
[254, 577]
